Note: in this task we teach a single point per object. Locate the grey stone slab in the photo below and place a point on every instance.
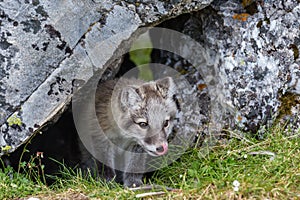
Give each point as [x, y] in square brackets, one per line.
[47, 47]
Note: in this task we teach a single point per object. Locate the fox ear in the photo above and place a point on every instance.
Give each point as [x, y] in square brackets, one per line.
[166, 87]
[130, 97]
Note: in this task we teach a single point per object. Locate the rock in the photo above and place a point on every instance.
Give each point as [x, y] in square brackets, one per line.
[244, 66]
[249, 60]
[48, 49]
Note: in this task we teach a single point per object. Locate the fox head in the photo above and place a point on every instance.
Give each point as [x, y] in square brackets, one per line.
[147, 113]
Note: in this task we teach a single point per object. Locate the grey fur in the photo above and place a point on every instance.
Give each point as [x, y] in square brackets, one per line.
[136, 118]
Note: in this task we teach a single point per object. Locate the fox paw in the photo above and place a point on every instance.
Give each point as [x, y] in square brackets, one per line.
[132, 181]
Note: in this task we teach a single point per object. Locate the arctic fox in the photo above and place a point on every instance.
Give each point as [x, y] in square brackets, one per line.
[136, 118]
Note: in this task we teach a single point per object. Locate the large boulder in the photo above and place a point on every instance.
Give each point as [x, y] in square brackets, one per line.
[248, 60]
[48, 49]
[244, 64]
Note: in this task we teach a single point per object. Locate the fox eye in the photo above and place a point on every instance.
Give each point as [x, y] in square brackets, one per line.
[166, 123]
[143, 124]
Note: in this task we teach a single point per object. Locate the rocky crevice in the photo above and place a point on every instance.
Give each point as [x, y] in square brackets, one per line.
[47, 46]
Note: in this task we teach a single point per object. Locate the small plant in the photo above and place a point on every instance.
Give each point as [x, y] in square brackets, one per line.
[34, 169]
[15, 185]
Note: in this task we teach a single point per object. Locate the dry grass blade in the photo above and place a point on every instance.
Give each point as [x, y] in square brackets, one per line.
[147, 194]
[268, 153]
[151, 187]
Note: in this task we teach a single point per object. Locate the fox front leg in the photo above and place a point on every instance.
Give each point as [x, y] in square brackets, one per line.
[132, 179]
[105, 154]
[135, 167]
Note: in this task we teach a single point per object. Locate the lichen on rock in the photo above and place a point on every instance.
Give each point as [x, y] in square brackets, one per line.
[251, 59]
[47, 46]
[14, 120]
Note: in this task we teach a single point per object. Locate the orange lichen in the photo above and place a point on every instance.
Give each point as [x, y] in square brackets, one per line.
[243, 16]
[239, 118]
[202, 86]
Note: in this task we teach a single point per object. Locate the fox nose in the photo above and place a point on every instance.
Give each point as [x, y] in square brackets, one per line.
[161, 150]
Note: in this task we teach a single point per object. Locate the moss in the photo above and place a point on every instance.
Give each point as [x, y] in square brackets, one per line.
[295, 50]
[288, 100]
[250, 6]
[259, 24]
[14, 120]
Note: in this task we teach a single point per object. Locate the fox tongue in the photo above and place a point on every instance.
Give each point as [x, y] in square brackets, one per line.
[162, 149]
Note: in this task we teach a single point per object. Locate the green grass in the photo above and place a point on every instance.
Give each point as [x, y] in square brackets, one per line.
[140, 54]
[194, 176]
[14, 185]
[259, 176]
